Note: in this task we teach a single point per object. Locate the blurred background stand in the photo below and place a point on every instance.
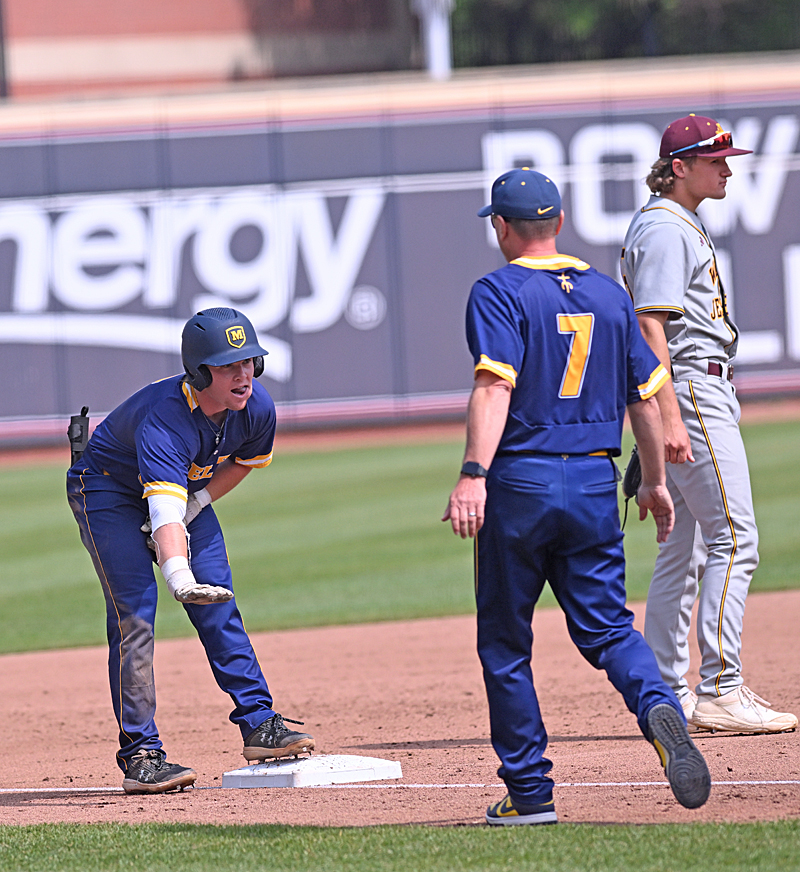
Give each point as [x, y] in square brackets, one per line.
[435, 19]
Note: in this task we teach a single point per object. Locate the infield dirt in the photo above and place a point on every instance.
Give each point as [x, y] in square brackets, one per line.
[406, 691]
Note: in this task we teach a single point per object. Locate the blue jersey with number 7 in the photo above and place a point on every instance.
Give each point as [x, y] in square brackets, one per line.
[566, 337]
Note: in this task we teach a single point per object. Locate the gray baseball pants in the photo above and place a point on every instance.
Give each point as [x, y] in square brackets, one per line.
[714, 546]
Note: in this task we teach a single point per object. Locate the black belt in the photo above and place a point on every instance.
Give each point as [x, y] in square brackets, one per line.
[720, 371]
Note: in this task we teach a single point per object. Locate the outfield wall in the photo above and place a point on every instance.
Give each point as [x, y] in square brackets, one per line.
[340, 216]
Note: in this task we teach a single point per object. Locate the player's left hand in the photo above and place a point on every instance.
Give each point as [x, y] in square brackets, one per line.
[466, 506]
[657, 500]
[147, 528]
[195, 503]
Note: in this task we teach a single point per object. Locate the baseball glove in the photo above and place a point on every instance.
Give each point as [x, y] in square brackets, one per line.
[631, 480]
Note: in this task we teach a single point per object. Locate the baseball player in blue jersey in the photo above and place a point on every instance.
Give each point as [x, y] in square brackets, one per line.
[558, 358]
[154, 465]
[670, 269]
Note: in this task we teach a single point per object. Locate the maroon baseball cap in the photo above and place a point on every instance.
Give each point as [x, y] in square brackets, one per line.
[697, 135]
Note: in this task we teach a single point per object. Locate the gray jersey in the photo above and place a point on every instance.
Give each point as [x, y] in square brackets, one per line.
[668, 264]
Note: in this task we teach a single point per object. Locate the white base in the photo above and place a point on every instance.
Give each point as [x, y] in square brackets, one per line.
[312, 771]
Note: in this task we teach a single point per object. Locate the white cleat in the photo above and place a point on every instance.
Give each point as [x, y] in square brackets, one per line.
[740, 711]
[688, 701]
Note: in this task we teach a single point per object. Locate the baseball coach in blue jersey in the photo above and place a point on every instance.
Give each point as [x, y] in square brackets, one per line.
[146, 481]
[558, 358]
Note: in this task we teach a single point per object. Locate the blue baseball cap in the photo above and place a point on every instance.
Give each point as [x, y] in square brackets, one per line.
[523, 193]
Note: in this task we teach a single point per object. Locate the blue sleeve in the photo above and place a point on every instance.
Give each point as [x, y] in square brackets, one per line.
[645, 372]
[493, 331]
[256, 450]
[166, 444]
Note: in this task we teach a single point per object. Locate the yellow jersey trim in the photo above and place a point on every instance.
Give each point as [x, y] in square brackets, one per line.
[677, 309]
[682, 217]
[502, 369]
[191, 396]
[553, 261]
[259, 462]
[165, 488]
[658, 378]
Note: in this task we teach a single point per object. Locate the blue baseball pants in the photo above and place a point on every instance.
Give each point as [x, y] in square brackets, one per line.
[109, 517]
[553, 518]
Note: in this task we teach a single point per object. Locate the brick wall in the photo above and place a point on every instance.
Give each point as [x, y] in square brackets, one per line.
[70, 47]
[66, 18]
[51, 18]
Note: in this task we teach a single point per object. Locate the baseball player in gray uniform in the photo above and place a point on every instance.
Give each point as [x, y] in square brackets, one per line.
[670, 270]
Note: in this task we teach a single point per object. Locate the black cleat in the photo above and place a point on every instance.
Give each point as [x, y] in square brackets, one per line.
[274, 739]
[149, 772]
[684, 765]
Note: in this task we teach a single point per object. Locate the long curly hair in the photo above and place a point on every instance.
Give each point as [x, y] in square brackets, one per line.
[661, 179]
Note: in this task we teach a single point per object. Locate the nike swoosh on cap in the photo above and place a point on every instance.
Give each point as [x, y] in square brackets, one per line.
[542, 211]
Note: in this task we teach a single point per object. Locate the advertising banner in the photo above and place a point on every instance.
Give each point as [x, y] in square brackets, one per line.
[351, 245]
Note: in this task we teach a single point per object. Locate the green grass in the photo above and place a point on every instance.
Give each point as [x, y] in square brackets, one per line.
[332, 537]
[759, 847]
[773, 453]
[317, 538]
[352, 536]
[348, 536]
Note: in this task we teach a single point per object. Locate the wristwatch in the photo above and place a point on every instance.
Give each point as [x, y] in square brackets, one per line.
[474, 469]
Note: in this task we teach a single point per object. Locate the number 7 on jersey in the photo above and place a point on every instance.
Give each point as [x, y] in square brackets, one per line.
[581, 327]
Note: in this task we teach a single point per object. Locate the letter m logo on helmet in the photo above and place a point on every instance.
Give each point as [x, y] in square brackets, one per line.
[236, 336]
[217, 337]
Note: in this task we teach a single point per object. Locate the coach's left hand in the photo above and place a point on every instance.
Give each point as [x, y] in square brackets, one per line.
[656, 498]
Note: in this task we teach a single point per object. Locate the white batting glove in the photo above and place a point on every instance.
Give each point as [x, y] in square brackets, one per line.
[203, 594]
[184, 586]
[195, 503]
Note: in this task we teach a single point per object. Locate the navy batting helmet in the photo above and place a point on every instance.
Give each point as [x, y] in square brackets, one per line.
[216, 337]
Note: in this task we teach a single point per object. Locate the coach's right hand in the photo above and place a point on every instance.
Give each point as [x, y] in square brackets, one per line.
[465, 509]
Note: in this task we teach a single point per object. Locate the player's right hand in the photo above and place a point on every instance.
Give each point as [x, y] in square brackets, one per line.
[203, 594]
[677, 446]
[186, 589]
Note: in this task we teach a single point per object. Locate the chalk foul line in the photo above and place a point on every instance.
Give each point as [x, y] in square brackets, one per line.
[33, 791]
